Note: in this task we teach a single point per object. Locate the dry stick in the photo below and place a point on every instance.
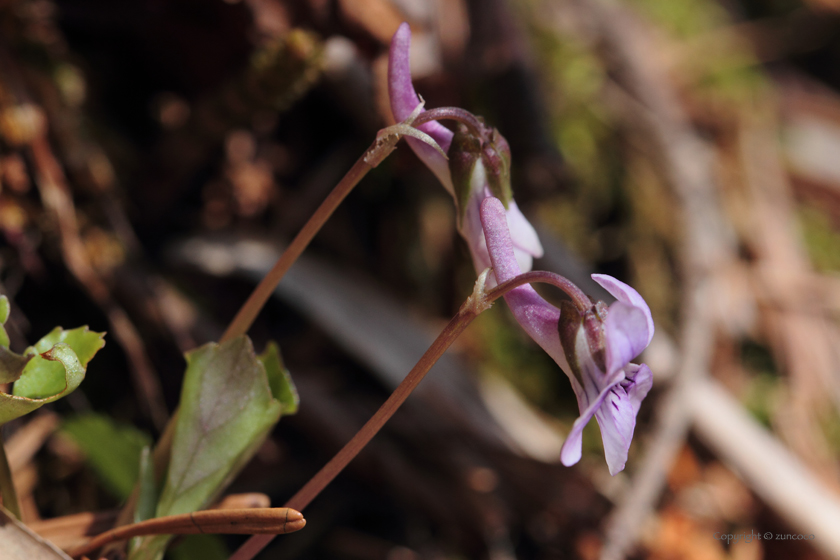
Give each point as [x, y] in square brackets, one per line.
[229, 522]
[478, 302]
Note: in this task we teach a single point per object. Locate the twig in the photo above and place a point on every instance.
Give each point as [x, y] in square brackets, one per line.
[775, 474]
[232, 521]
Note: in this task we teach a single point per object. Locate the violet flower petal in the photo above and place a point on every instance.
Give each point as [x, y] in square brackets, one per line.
[625, 331]
[572, 448]
[524, 237]
[625, 294]
[404, 100]
[617, 414]
[538, 317]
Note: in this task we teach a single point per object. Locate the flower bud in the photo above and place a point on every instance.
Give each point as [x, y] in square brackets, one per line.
[464, 153]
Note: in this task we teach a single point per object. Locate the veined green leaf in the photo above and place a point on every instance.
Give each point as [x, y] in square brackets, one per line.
[227, 409]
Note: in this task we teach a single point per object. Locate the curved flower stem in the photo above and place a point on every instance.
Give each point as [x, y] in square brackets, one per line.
[251, 308]
[451, 113]
[580, 299]
[7, 487]
[478, 302]
[317, 483]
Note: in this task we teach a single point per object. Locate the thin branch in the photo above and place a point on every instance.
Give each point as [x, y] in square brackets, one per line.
[231, 522]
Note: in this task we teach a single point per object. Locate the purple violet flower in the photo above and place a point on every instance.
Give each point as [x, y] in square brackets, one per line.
[476, 187]
[593, 346]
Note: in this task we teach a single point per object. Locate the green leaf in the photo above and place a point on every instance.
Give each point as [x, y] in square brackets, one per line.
[205, 547]
[148, 491]
[279, 379]
[51, 369]
[111, 449]
[227, 409]
[54, 372]
[85, 343]
[46, 378]
[147, 497]
[4, 316]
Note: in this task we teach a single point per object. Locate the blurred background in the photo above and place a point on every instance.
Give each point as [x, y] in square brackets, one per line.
[155, 157]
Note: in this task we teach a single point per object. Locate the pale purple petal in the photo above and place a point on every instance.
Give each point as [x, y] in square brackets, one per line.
[538, 317]
[473, 233]
[404, 100]
[522, 233]
[617, 414]
[625, 330]
[625, 294]
[572, 448]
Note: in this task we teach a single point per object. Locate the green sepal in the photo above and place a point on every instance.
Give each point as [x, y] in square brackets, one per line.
[569, 328]
[495, 155]
[464, 153]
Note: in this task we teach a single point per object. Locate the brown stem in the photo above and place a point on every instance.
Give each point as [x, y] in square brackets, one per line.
[231, 522]
[249, 311]
[477, 303]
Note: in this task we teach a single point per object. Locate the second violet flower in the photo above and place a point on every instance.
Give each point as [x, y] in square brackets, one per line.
[593, 346]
